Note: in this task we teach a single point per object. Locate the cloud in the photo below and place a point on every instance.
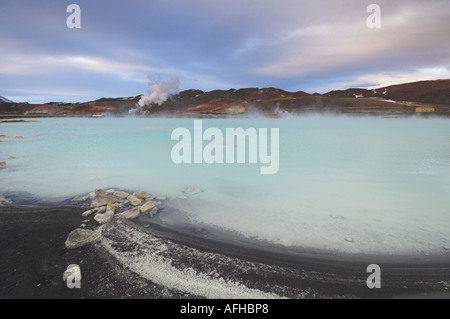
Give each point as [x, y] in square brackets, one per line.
[48, 64]
[325, 48]
[220, 44]
[383, 79]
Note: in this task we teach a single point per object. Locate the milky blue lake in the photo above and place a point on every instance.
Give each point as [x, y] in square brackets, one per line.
[345, 184]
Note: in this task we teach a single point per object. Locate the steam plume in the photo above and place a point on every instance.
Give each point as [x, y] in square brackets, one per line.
[159, 91]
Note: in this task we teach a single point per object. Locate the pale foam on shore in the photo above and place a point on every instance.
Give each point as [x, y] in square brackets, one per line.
[147, 260]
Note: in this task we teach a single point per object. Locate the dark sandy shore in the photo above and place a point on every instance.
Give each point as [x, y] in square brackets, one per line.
[135, 262]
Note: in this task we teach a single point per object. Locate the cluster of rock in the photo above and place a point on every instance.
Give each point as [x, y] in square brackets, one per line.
[3, 164]
[107, 205]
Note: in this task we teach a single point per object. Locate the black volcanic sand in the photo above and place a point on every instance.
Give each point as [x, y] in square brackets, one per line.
[34, 259]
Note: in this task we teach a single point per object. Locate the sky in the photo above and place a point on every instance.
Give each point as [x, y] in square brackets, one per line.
[313, 46]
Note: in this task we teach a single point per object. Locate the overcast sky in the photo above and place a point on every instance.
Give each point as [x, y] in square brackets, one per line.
[216, 44]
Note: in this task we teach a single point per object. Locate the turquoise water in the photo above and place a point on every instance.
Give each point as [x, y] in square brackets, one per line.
[351, 184]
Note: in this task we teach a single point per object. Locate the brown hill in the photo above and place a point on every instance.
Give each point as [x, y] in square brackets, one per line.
[427, 92]
[399, 99]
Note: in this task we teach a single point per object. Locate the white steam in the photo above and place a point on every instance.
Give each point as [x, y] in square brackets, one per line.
[159, 91]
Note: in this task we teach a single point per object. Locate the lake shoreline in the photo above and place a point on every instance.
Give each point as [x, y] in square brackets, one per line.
[35, 259]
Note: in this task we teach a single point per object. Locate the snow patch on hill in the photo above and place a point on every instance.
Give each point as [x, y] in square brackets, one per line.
[5, 100]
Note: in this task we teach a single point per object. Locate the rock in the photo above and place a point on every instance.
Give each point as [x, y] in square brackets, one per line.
[446, 247]
[192, 190]
[131, 213]
[121, 195]
[104, 218]
[111, 208]
[4, 200]
[19, 137]
[350, 240]
[101, 198]
[3, 136]
[142, 195]
[85, 221]
[11, 158]
[100, 192]
[88, 213]
[100, 210]
[83, 226]
[110, 191]
[80, 198]
[134, 200]
[81, 237]
[3, 164]
[149, 208]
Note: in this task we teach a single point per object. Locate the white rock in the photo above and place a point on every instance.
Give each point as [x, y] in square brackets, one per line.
[350, 240]
[87, 213]
[80, 237]
[111, 208]
[4, 200]
[100, 210]
[134, 200]
[80, 198]
[131, 213]
[104, 218]
[149, 208]
[101, 198]
[142, 195]
[121, 195]
[110, 191]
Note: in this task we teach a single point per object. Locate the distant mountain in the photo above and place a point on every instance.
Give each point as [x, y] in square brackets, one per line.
[5, 100]
[432, 92]
[398, 99]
